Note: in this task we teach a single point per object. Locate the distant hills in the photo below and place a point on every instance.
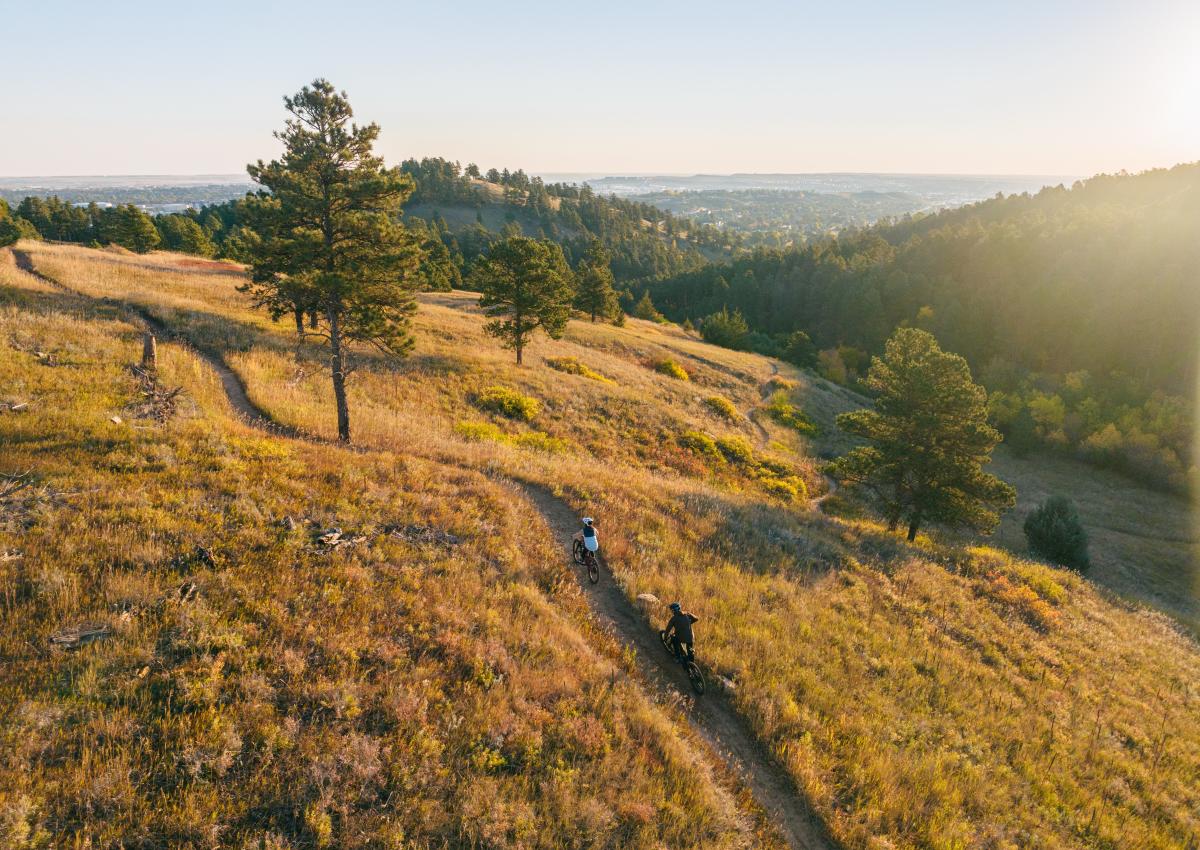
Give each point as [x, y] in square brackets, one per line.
[936, 189]
[902, 193]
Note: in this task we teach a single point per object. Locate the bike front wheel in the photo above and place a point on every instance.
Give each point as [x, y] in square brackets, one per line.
[695, 677]
[593, 569]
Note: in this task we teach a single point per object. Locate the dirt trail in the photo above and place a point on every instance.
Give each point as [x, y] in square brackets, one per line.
[764, 390]
[235, 390]
[712, 716]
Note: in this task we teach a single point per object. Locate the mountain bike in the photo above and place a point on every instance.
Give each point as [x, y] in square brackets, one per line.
[689, 664]
[585, 557]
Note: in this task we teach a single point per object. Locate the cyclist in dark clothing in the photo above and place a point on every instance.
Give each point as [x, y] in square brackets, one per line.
[680, 630]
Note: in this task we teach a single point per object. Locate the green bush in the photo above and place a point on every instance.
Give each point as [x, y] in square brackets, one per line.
[761, 343]
[672, 369]
[1054, 532]
[736, 450]
[536, 440]
[508, 403]
[725, 328]
[723, 407]
[790, 416]
[800, 350]
[572, 366]
[479, 431]
[542, 442]
[790, 488]
[701, 444]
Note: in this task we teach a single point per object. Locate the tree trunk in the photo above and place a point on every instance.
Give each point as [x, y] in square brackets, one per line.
[312, 320]
[338, 368]
[299, 322]
[593, 315]
[149, 352]
[519, 354]
[913, 525]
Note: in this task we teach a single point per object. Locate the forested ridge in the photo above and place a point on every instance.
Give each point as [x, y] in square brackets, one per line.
[1076, 307]
[643, 241]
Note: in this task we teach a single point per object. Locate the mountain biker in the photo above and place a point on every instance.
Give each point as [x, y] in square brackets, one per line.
[679, 628]
[587, 534]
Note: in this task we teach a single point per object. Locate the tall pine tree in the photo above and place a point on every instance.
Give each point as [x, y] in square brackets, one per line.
[928, 439]
[594, 294]
[525, 285]
[332, 245]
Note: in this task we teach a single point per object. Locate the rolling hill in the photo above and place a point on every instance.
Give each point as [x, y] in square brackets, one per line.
[299, 644]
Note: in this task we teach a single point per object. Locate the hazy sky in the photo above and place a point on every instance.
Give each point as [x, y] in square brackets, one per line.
[614, 87]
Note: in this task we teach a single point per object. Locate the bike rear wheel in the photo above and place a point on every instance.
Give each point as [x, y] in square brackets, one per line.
[577, 552]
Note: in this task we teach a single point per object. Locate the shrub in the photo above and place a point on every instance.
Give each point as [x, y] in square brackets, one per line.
[701, 444]
[572, 366]
[788, 415]
[725, 328]
[761, 343]
[508, 403]
[736, 450]
[542, 442]
[1054, 532]
[831, 366]
[800, 350]
[536, 440]
[723, 407]
[480, 431]
[672, 369]
[791, 488]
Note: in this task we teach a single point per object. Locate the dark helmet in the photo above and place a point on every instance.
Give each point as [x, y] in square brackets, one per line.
[674, 606]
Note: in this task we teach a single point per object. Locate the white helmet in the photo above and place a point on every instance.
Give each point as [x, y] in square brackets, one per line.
[587, 520]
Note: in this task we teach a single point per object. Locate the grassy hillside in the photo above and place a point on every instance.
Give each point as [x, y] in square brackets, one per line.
[434, 683]
[926, 695]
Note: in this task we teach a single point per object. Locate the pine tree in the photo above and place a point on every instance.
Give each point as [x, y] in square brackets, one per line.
[800, 350]
[929, 439]
[131, 228]
[331, 244]
[645, 309]
[9, 231]
[524, 285]
[725, 328]
[438, 270]
[595, 295]
[1054, 532]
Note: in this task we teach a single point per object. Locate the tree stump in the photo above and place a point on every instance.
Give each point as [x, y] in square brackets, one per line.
[149, 352]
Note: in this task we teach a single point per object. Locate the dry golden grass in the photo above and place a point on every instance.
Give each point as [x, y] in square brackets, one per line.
[403, 692]
[925, 696]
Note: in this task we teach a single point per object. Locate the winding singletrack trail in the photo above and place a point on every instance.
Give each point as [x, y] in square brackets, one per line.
[764, 390]
[231, 384]
[712, 716]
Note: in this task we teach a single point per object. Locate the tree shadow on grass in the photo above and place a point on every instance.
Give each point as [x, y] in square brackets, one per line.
[768, 537]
